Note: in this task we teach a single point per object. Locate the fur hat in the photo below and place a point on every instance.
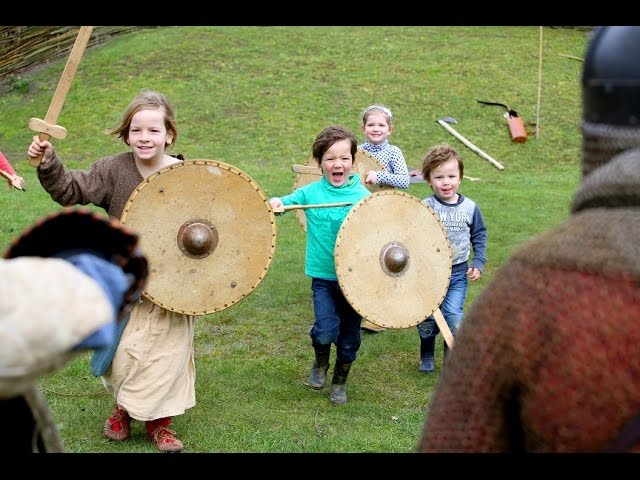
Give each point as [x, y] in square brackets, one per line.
[81, 229]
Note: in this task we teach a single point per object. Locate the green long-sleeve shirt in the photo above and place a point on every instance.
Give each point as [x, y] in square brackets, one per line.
[323, 224]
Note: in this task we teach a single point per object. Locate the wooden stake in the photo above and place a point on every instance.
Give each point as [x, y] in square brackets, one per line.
[539, 86]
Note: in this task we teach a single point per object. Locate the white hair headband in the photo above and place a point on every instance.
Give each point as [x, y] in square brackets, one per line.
[382, 108]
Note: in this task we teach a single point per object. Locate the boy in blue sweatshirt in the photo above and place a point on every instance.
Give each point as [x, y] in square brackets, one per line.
[461, 218]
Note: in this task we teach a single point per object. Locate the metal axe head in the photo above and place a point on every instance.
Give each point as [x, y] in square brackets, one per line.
[449, 120]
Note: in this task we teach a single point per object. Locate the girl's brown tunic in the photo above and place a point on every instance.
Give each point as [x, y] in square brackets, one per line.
[153, 371]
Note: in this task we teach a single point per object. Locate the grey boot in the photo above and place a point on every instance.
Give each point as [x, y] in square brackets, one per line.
[318, 374]
[338, 393]
[427, 350]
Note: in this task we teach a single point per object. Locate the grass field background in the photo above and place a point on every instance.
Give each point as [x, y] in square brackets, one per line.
[255, 98]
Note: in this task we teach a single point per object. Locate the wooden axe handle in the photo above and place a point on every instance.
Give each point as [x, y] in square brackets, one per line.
[484, 155]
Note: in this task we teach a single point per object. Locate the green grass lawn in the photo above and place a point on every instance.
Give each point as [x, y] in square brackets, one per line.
[255, 98]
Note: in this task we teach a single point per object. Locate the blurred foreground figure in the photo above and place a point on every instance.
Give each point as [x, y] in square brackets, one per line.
[548, 358]
[65, 284]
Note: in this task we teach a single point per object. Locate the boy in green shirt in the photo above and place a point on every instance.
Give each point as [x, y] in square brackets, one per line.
[335, 320]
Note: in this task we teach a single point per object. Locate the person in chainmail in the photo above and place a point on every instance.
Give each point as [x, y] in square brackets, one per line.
[548, 357]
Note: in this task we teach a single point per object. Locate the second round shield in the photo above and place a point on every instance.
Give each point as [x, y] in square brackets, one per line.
[393, 259]
[208, 232]
[364, 162]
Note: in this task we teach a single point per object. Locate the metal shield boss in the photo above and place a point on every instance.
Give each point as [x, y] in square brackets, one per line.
[208, 232]
[393, 259]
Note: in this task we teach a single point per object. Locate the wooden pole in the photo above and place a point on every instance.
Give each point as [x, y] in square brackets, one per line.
[539, 85]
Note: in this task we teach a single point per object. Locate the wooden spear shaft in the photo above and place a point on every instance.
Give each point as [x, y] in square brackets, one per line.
[284, 208]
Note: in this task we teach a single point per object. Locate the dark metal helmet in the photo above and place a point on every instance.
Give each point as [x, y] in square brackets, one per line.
[611, 77]
[610, 95]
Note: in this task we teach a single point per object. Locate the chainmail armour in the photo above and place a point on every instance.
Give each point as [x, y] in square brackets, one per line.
[602, 142]
[548, 357]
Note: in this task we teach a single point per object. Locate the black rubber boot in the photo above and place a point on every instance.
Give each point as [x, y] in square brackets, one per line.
[338, 393]
[427, 350]
[318, 374]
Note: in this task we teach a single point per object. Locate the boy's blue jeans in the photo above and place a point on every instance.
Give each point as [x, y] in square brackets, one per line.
[335, 320]
[452, 307]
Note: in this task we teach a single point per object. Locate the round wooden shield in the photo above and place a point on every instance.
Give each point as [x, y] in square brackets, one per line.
[208, 232]
[364, 162]
[393, 259]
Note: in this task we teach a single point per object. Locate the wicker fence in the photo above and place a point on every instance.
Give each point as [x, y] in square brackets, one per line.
[24, 47]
